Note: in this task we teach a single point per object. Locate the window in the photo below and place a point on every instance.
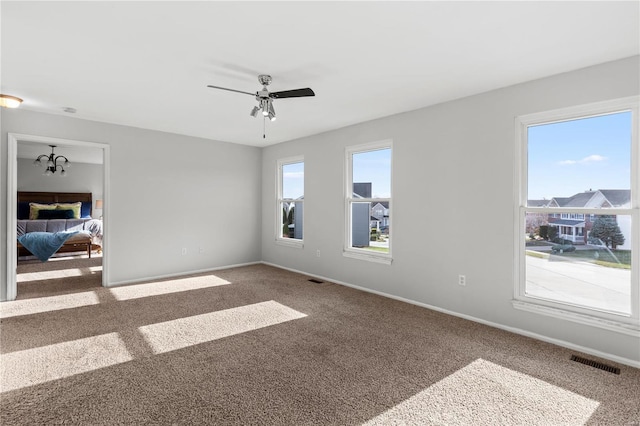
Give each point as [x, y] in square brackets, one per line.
[577, 245]
[368, 202]
[290, 203]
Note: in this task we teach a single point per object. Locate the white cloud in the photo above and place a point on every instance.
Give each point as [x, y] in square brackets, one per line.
[293, 175]
[594, 158]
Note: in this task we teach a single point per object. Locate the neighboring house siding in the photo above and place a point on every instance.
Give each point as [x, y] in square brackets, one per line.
[572, 227]
[298, 213]
[380, 211]
[360, 229]
[624, 222]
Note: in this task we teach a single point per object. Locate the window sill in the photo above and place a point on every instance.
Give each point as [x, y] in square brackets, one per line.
[607, 324]
[290, 242]
[376, 258]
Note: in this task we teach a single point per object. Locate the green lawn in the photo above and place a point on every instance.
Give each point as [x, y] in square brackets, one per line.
[602, 256]
[381, 249]
[534, 243]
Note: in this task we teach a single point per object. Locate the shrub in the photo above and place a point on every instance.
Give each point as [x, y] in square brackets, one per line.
[563, 248]
[543, 232]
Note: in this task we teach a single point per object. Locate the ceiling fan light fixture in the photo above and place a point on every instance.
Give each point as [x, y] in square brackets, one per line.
[265, 108]
[9, 101]
[254, 111]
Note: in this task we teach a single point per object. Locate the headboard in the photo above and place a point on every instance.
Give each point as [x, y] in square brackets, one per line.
[26, 197]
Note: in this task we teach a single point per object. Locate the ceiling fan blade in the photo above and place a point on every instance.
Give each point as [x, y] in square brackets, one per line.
[297, 93]
[232, 90]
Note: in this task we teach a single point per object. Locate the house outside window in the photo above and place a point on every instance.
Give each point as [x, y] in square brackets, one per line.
[290, 201]
[577, 204]
[368, 202]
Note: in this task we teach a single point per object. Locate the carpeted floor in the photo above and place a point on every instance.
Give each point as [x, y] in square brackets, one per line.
[260, 345]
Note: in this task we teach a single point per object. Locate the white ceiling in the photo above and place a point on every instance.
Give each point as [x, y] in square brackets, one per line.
[147, 64]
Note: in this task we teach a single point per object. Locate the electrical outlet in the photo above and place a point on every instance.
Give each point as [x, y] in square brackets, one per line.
[462, 280]
[317, 253]
[184, 251]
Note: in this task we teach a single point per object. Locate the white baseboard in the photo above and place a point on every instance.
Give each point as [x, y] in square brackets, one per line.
[558, 342]
[180, 274]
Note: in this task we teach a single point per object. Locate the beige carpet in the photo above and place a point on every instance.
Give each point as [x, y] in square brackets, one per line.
[259, 345]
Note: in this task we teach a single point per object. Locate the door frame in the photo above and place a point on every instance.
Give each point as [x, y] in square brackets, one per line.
[12, 203]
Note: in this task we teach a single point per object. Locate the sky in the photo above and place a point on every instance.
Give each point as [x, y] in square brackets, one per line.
[293, 180]
[374, 167]
[370, 166]
[574, 156]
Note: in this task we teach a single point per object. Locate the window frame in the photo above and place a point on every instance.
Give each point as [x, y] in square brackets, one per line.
[289, 242]
[625, 324]
[348, 250]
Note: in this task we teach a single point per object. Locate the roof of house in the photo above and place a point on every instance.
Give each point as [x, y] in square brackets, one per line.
[538, 203]
[617, 197]
[384, 204]
[566, 222]
[578, 200]
[560, 201]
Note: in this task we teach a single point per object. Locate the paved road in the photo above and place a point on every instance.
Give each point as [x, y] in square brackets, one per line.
[580, 283]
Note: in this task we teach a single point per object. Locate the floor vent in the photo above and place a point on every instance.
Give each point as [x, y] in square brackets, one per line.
[596, 364]
[313, 280]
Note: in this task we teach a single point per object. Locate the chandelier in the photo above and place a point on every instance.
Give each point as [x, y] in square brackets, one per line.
[53, 162]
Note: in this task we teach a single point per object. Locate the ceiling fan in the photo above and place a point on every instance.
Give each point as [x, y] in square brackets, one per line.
[265, 98]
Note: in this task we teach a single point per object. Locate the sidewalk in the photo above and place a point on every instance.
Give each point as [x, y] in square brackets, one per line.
[580, 283]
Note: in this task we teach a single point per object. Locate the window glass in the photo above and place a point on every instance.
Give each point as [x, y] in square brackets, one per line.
[570, 158]
[291, 200]
[370, 200]
[372, 173]
[573, 258]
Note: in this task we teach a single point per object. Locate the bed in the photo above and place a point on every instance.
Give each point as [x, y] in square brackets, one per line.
[57, 213]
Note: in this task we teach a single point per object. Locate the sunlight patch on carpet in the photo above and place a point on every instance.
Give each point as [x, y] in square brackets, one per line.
[136, 291]
[58, 274]
[47, 304]
[489, 394]
[183, 332]
[40, 365]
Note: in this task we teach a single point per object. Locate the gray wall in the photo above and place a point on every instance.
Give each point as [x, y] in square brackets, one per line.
[453, 166]
[81, 177]
[167, 192]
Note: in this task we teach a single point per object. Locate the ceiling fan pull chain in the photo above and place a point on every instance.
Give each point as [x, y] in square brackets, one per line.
[264, 128]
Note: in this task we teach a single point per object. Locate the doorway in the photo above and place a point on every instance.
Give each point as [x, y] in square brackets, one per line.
[12, 188]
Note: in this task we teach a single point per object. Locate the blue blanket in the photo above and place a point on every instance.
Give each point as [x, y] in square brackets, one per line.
[44, 244]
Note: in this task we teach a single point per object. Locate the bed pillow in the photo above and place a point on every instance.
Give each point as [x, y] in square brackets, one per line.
[55, 214]
[34, 208]
[85, 210]
[71, 206]
[23, 210]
